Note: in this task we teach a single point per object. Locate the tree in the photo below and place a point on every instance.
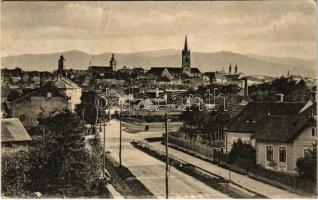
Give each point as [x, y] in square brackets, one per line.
[13, 95]
[242, 150]
[307, 166]
[87, 107]
[61, 163]
[14, 177]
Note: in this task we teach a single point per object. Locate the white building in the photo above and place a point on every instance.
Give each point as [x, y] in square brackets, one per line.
[71, 90]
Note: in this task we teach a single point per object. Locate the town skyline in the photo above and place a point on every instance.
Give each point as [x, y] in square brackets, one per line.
[110, 27]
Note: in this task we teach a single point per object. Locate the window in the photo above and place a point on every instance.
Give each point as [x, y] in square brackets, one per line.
[313, 132]
[22, 118]
[282, 154]
[269, 153]
[307, 153]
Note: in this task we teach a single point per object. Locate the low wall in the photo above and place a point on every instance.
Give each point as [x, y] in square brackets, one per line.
[207, 154]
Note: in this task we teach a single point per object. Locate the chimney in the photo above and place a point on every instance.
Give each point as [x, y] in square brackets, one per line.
[157, 92]
[245, 88]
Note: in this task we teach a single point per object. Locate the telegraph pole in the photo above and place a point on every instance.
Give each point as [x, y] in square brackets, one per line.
[104, 160]
[167, 156]
[121, 110]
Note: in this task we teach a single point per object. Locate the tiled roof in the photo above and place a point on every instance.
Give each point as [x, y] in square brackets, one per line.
[42, 92]
[64, 83]
[283, 128]
[173, 70]
[247, 120]
[12, 130]
[100, 69]
[156, 70]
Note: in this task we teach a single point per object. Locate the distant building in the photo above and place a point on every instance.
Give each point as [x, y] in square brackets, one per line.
[60, 70]
[176, 72]
[102, 70]
[71, 90]
[54, 96]
[45, 100]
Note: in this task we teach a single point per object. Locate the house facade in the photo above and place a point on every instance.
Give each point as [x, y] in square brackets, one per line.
[278, 145]
[46, 100]
[251, 118]
[71, 90]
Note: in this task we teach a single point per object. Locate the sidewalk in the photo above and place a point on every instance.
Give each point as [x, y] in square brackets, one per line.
[245, 181]
[114, 193]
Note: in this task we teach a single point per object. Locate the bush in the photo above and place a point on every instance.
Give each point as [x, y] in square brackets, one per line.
[307, 167]
[14, 177]
[242, 150]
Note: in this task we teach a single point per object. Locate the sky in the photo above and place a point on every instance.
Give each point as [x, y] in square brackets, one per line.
[273, 28]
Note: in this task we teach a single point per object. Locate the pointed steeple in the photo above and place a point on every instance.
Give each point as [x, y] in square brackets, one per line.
[185, 44]
[186, 65]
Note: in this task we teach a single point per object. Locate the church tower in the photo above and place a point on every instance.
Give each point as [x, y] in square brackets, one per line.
[60, 69]
[186, 66]
[113, 62]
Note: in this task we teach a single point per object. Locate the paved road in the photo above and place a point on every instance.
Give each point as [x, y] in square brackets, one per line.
[151, 172]
[249, 183]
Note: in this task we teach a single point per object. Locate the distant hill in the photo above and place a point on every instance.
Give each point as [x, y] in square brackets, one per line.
[249, 64]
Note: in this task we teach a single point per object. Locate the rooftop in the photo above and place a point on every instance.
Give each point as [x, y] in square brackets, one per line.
[12, 130]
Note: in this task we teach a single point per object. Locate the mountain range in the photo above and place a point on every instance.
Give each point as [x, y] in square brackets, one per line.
[247, 63]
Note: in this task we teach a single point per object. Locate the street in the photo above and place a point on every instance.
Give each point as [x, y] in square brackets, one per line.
[245, 181]
[151, 172]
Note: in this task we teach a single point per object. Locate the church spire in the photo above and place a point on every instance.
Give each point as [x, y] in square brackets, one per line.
[186, 57]
[185, 44]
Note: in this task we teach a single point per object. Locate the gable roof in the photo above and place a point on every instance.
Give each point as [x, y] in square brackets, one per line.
[12, 130]
[283, 128]
[65, 83]
[42, 92]
[247, 120]
[156, 70]
[100, 69]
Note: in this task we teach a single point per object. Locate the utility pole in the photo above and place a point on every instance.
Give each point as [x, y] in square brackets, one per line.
[167, 156]
[104, 160]
[121, 111]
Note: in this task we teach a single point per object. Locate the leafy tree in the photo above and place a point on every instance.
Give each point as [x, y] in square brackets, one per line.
[242, 150]
[61, 162]
[13, 95]
[307, 166]
[14, 180]
[87, 107]
[292, 90]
